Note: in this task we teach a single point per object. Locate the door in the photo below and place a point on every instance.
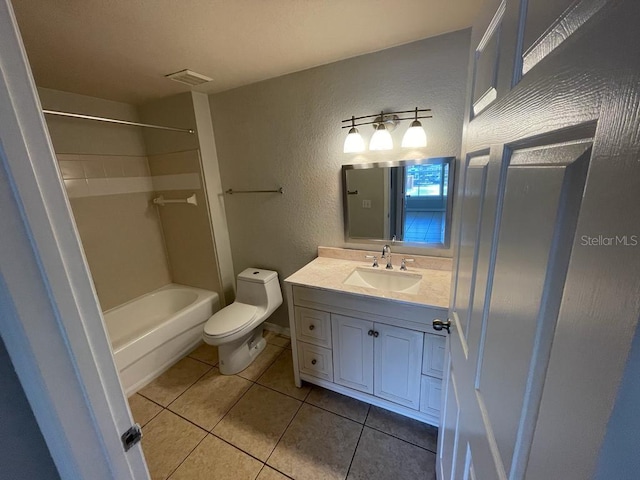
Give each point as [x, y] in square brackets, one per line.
[352, 352]
[49, 316]
[546, 255]
[398, 362]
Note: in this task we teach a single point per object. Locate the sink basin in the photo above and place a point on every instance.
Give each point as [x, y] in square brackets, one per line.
[386, 280]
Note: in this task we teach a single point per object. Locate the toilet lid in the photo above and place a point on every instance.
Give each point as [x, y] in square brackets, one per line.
[229, 320]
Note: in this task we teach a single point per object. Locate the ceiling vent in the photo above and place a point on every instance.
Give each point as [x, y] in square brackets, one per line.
[189, 78]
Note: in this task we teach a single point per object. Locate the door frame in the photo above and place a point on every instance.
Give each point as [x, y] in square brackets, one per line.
[50, 319]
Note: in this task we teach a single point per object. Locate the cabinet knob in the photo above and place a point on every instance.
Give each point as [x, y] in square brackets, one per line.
[314, 361]
[439, 325]
[312, 327]
[375, 334]
[370, 332]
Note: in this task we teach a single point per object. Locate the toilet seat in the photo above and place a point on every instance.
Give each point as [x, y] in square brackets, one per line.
[230, 319]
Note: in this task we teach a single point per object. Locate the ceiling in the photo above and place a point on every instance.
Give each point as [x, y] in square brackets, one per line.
[121, 49]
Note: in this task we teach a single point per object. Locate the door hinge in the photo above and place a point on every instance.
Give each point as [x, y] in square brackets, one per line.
[131, 437]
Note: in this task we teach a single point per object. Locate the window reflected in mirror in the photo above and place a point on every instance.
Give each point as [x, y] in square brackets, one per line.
[407, 201]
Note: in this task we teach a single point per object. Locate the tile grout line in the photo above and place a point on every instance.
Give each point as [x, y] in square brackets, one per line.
[401, 439]
[282, 435]
[186, 457]
[338, 414]
[183, 392]
[358, 442]
[234, 404]
[237, 448]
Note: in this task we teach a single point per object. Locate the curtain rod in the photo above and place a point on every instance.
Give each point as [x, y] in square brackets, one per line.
[113, 120]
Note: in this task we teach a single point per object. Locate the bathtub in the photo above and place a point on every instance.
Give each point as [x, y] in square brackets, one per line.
[150, 333]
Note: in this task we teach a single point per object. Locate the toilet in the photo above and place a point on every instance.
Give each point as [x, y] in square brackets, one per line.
[237, 329]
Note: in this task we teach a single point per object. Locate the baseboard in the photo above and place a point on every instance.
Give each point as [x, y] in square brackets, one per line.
[272, 327]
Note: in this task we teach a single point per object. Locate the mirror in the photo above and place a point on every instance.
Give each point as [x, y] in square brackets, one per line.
[407, 200]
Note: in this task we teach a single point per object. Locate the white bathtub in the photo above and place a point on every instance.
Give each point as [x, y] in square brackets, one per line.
[150, 333]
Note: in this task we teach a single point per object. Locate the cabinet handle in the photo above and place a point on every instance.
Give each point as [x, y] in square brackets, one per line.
[314, 361]
[370, 332]
[312, 327]
[375, 334]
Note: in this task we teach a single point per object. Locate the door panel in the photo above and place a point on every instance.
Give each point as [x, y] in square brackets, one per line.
[543, 317]
[474, 190]
[352, 352]
[486, 64]
[541, 184]
[540, 16]
[398, 354]
[548, 23]
[448, 431]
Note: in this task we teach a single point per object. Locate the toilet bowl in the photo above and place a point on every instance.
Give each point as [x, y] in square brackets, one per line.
[237, 329]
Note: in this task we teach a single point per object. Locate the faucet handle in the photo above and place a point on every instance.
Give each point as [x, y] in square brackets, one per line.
[403, 264]
[375, 260]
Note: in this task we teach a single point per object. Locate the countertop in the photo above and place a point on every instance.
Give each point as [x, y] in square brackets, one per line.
[328, 274]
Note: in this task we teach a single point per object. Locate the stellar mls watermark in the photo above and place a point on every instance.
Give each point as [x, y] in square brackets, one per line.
[605, 241]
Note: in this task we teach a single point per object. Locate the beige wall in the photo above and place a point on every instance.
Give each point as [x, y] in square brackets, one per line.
[70, 135]
[186, 228]
[107, 177]
[175, 156]
[286, 132]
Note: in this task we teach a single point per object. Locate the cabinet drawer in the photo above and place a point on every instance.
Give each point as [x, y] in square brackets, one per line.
[430, 394]
[316, 361]
[313, 326]
[433, 356]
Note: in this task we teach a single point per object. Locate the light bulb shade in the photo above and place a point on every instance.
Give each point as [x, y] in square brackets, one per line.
[415, 136]
[354, 142]
[381, 139]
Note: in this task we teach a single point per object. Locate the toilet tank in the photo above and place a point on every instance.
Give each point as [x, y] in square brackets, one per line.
[260, 288]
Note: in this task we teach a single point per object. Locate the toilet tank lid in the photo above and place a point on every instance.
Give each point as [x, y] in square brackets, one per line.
[257, 275]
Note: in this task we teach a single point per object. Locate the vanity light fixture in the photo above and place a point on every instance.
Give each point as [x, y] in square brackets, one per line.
[415, 137]
[354, 142]
[381, 139]
[384, 123]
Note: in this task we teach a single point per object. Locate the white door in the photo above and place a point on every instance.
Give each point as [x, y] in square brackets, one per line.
[398, 362]
[546, 254]
[49, 316]
[352, 352]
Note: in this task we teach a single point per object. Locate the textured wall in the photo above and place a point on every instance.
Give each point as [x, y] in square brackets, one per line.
[286, 132]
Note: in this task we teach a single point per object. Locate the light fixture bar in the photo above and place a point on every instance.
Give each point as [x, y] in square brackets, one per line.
[387, 113]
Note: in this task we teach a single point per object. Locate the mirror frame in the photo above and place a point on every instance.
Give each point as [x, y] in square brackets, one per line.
[445, 244]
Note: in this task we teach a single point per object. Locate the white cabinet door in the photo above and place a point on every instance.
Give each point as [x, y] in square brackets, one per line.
[353, 352]
[398, 361]
[433, 357]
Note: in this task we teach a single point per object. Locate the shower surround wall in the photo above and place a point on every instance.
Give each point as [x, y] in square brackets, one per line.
[176, 157]
[112, 173]
[107, 176]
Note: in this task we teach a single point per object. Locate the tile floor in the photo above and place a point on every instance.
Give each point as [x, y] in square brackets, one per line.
[424, 226]
[198, 424]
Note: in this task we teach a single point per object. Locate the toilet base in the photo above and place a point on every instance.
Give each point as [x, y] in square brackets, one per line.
[239, 354]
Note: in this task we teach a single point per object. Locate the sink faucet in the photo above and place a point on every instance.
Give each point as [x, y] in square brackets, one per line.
[386, 253]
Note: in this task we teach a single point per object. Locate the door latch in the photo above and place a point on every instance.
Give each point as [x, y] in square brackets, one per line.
[131, 437]
[440, 325]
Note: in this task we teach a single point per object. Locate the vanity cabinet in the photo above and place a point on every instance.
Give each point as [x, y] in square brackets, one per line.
[374, 350]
